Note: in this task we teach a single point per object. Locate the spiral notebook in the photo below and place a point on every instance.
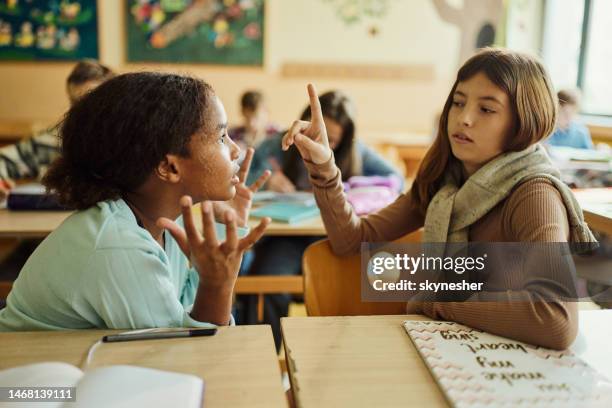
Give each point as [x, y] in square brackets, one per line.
[478, 369]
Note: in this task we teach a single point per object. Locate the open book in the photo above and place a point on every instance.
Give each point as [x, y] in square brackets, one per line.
[478, 369]
[112, 386]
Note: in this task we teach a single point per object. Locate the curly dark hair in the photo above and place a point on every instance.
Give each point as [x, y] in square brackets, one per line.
[115, 136]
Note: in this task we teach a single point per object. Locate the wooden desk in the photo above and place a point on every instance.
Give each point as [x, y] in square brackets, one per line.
[370, 361]
[238, 364]
[15, 130]
[364, 361]
[39, 224]
[30, 224]
[596, 205]
[599, 218]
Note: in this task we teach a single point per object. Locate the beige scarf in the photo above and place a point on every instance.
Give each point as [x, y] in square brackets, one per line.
[453, 209]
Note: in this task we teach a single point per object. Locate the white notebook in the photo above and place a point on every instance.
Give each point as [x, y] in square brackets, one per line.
[478, 369]
[118, 386]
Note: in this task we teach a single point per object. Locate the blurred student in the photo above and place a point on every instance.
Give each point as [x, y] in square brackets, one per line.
[569, 131]
[484, 179]
[283, 256]
[30, 157]
[136, 153]
[255, 126]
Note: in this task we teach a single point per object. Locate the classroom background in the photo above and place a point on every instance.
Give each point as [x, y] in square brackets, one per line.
[397, 66]
[396, 59]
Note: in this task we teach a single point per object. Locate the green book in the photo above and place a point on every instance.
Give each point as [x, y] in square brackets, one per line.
[286, 212]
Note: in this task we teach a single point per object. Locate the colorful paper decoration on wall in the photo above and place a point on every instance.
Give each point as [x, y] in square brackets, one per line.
[353, 11]
[201, 31]
[48, 30]
[359, 11]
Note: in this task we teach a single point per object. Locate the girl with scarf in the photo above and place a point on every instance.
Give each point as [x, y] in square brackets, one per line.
[484, 179]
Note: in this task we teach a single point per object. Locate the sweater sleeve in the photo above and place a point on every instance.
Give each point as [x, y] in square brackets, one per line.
[533, 213]
[345, 229]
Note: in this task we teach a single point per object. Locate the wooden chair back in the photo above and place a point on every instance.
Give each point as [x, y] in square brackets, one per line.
[332, 284]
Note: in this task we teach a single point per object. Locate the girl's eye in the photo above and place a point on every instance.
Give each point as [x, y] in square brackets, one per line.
[486, 110]
[458, 103]
[222, 139]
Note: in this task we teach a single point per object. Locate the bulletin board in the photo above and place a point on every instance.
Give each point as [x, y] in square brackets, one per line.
[228, 32]
[48, 30]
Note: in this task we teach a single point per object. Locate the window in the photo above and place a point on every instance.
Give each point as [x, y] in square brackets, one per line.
[577, 50]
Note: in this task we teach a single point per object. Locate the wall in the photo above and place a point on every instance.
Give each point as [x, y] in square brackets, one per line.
[296, 31]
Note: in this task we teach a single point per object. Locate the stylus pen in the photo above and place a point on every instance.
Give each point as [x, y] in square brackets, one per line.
[159, 335]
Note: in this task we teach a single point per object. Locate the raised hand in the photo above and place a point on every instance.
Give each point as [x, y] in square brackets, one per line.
[310, 138]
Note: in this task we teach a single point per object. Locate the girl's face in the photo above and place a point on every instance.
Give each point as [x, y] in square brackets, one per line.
[210, 171]
[479, 122]
[334, 132]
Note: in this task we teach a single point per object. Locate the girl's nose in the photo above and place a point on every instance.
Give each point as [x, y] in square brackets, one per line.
[466, 117]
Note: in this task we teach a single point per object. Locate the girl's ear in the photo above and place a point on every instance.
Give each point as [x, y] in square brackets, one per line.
[169, 169]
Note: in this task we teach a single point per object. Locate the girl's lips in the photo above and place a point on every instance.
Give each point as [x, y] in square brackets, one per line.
[461, 138]
[235, 179]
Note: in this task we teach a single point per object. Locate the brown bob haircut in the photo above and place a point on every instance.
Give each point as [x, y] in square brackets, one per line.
[534, 108]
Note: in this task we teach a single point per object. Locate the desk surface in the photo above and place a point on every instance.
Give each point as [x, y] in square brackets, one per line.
[596, 205]
[370, 360]
[239, 364]
[39, 224]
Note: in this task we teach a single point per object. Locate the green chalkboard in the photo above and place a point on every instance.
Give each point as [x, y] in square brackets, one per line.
[226, 32]
[48, 30]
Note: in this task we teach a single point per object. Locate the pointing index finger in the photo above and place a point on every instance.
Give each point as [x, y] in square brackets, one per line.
[315, 105]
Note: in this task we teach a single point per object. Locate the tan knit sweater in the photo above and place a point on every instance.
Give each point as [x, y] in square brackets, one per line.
[534, 212]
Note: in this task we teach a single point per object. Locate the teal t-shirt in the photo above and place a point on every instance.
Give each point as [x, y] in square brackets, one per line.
[100, 269]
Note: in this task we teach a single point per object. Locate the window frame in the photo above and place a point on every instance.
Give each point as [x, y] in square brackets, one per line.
[583, 55]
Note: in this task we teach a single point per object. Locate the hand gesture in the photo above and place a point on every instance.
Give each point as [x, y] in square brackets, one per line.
[241, 203]
[310, 138]
[217, 263]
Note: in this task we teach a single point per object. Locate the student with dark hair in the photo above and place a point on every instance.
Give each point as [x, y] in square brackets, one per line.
[255, 126]
[30, 157]
[136, 153]
[484, 179]
[84, 77]
[283, 256]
